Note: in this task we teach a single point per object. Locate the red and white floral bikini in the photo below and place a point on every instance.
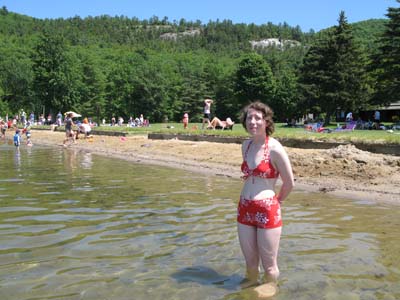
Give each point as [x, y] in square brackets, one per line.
[263, 213]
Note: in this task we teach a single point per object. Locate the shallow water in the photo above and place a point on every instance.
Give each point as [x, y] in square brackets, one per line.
[78, 226]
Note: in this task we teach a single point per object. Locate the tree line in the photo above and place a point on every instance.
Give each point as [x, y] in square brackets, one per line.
[117, 66]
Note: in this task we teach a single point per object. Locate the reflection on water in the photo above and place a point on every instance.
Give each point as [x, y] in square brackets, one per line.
[77, 226]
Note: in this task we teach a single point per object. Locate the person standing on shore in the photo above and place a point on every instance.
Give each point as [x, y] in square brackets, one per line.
[23, 117]
[259, 209]
[3, 128]
[377, 119]
[185, 120]
[207, 112]
[69, 133]
[59, 119]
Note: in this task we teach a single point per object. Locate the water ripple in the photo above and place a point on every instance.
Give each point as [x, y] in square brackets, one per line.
[143, 232]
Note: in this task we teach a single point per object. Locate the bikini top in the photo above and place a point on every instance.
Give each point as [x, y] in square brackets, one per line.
[265, 169]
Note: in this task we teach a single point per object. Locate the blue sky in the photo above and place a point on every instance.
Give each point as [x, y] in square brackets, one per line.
[308, 14]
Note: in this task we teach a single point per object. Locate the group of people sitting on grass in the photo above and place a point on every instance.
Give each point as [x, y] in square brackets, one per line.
[351, 124]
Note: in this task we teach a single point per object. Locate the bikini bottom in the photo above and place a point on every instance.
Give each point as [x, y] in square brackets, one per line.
[264, 213]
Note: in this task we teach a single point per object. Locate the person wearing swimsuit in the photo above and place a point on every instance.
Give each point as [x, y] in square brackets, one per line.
[259, 209]
[207, 112]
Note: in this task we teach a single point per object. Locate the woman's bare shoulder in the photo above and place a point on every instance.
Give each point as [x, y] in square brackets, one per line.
[273, 141]
[275, 145]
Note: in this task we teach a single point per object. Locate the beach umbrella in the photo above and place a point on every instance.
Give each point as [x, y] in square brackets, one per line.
[73, 114]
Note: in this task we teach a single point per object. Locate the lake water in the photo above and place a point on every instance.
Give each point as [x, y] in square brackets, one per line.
[78, 226]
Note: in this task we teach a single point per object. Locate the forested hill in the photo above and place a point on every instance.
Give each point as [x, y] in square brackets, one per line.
[117, 66]
[368, 32]
[153, 33]
[106, 30]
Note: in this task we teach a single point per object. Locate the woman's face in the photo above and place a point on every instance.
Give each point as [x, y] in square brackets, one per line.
[255, 123]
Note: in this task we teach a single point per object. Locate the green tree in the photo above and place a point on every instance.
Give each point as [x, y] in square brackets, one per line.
[284, 65]
[15, 77]
[254, 80]
[54, 80]
[120, 85]
[285, 104]
[333, 75]
[119, 65]
[91, 85]
[387, 62]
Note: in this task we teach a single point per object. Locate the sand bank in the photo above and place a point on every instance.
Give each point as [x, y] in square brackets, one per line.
[343, 171]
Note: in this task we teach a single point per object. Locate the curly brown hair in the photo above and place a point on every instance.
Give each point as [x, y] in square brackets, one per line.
[266, 111]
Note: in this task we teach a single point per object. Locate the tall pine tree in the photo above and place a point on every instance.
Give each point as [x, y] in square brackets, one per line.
[387, 62]
[333, 73]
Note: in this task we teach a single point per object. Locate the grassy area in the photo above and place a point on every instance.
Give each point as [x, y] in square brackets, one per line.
[367, 136]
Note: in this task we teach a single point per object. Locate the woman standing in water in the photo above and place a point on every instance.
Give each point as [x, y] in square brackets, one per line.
[259, 210]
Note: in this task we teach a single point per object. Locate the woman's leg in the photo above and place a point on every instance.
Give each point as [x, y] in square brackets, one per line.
[248, 244]
[66, 137]
[213, 123]
[268, 246]
[218, 122]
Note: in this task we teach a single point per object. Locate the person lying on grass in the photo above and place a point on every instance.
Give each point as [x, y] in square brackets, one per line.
[216, 122]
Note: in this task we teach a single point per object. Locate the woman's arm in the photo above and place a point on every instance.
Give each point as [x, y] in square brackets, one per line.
[281, 162]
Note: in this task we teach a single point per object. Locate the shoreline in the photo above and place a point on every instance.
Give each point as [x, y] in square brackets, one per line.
[343, 171]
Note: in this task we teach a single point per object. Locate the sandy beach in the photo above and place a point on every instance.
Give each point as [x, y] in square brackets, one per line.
[343, 171]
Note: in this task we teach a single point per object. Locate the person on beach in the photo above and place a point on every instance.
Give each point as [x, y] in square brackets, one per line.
[32, 118]
[349, 117]
[3, 127]
[27, 131]
[216, 122]
[69, 133]
[141, 119]
[207, 112]
[377, 119]
[84, 128]
[23, 117]
[185, 120]
[259, 209]
[59, 119]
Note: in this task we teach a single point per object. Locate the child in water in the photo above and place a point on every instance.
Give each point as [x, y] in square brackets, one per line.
[17, 138]
[27, 131]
